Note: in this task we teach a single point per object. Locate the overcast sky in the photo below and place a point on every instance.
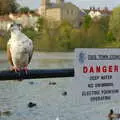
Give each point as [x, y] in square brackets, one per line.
[33, 4]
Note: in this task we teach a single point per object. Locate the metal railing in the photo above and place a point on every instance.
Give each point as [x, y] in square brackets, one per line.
[35, 74]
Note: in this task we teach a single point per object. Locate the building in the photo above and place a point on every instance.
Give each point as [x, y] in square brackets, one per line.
[95, 14]
[61, 10]
[98, 13]
[27, 20]
[4, 21]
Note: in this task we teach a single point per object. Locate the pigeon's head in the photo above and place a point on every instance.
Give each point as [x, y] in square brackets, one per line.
[14, 26]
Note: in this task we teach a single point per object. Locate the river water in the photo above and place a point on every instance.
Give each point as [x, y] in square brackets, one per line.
[51, 104]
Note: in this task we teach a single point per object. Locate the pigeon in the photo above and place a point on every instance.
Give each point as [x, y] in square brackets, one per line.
[19, 48]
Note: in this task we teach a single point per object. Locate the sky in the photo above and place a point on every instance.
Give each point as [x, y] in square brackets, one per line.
[34, 4]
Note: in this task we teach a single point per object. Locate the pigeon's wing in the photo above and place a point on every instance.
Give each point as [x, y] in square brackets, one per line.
[29, 44]
[30, 50]
[30, 56]
[9, 54]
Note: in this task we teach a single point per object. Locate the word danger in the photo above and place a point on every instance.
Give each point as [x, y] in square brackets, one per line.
[100, 69]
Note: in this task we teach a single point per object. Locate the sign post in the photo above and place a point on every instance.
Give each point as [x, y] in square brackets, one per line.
[97, 75]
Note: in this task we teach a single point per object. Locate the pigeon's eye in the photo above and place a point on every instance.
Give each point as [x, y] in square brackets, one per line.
[18, 24]
[12, 25]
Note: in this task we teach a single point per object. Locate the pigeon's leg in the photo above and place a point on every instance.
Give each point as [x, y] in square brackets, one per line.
[25, 69]
[11, 68]
[16, 69]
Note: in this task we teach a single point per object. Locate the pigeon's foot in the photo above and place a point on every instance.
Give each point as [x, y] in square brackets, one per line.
[16, 69]
[25, 69]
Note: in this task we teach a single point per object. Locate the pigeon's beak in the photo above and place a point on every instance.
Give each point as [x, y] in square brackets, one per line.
[20, 27]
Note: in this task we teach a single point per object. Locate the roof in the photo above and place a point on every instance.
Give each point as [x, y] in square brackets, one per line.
[82, 12]
[55, 5]
[5, 18]
[108, 12]
[21, 14]
[18, 15]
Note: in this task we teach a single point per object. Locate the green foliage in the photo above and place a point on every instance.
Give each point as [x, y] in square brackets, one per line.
[3, 40]
[113, 44]
[94, 37]
[114, 25]
[7, 6]
[24, 10]
[110, 36]
[87, 22]
[41, 24]
[104, 23]
[62, 36]
[2, 44]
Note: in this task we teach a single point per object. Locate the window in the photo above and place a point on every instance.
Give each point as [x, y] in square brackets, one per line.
[67, 12]
[72, 11]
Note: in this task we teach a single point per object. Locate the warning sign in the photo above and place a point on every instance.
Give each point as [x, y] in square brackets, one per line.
[97, 75]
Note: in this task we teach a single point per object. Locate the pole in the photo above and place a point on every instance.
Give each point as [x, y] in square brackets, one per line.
[35, 74]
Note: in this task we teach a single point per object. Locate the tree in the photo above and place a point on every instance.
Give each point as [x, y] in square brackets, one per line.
[24, 10]
[87, 22]
[7, 6]
[114, 24]
[64, 37]
[104, 23]
[41, 24]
